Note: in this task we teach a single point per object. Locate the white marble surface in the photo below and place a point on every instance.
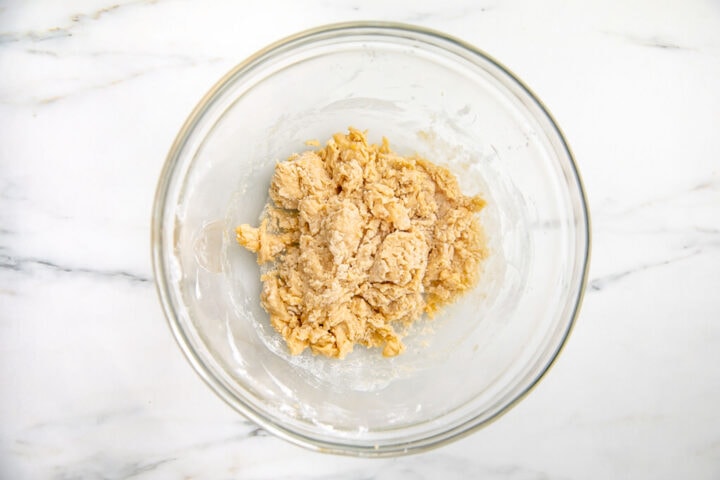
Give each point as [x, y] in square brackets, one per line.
[92, 384]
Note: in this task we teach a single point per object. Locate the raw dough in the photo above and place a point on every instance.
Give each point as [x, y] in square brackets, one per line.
[362, 241]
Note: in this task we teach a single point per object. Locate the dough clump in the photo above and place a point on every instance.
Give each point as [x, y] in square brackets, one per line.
[362, 242]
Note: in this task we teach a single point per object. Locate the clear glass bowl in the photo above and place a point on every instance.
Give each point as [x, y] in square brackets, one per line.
[428, 94]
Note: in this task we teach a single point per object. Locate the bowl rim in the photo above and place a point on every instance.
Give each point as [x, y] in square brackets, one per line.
[171, 315]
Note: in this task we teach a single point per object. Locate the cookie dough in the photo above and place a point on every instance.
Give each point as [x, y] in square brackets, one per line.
[362, 242]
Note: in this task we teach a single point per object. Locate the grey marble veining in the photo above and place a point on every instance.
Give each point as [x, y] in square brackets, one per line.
[93, 385]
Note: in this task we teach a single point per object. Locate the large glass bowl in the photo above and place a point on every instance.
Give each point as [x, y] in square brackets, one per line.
[428, 94]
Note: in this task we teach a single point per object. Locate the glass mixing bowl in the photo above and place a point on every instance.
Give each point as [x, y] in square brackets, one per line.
[428, 94]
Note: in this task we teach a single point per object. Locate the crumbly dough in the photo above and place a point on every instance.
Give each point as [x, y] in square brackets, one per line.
[362, 242]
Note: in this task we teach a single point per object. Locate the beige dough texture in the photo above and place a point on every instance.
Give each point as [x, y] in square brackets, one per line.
[362, 242]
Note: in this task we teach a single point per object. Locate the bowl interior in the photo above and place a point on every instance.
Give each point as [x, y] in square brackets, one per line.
[428, 95]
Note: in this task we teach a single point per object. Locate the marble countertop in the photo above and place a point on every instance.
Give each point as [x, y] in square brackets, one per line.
[92, 384]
